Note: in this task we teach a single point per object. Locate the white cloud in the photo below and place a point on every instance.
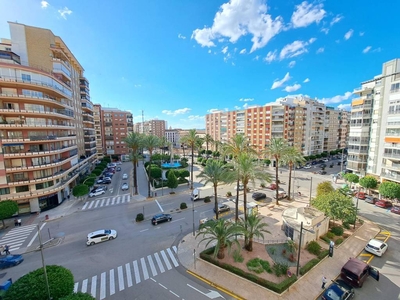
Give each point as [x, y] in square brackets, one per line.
[271, 56]
[366, 49]
[278, 83]
[246, 99]
[224, 50]
[237, 107]
[325, 30]
[137, 85]
[312, 40]
[292, 64]
[180, 36]
[64, 12]
[243, 51]
[238, 18]
[292, 88]
[344, 106]
[195, 117]
[361, 33]
[306, 80]
[209, 51]
[257, 57]
[44, 4]
[320, 50]
[214, 110]
[348, 34]
[306, 14]
[294, 49]
[336, 19]
[180, 111]
[336, 99]
[377, 49]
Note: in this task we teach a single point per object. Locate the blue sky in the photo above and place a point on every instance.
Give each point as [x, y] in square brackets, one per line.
[178, 60]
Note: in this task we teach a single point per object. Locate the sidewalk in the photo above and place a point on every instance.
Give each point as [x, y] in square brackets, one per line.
[306, 287]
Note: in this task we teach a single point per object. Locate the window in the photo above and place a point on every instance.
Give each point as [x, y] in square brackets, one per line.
[26, 77]
[23, 188]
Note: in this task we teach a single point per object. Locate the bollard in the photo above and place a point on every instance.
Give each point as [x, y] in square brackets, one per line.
[47, 217]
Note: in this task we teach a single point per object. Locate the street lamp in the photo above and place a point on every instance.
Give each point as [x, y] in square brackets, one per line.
[309, 202]
[355, 217]
[298, 254]
[43, 264]
[193, 217]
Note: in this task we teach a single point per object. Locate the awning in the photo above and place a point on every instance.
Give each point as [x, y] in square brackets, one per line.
[19, 144]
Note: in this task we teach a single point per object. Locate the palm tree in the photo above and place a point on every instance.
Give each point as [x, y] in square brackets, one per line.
[191, 139]
[134, 141]
[292, 157]
[208, 140]
[276, 150]
[252, 227]
[163, 144]
[150, 142]
[238, 144]
[216, 173]
[222, 232]
[199, 145]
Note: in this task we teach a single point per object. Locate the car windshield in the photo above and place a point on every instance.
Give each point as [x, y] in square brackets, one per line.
[107, 231]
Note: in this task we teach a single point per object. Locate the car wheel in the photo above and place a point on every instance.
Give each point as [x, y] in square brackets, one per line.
[110, 238]
[92, 243]
[169, 219]
[155, 223]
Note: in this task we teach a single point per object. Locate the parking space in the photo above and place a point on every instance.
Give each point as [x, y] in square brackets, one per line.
[368, 257]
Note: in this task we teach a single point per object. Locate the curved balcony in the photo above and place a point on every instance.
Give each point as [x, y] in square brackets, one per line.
[23, 154]
[64, 114]
[22, 125]
[55, 163]
[62, 102]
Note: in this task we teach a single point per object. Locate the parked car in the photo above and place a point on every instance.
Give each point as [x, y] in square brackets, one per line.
[119, 163]
[96, 193]
[160, 218]
[107, 180]
[125, 187]
[313, 163]
[241, 187]
[321, 172]
[338, 290]
[272, 186]
[10, 261]
[99, 181]
[307, 166]
[118, 169]
[125, 176]
[376, 247]
[109, 175]
[384, 204]
[395, 209]
[222, 208]
[282, 195]
[259, 196]
[325, 160]
[322, 165]
[360, 195]
[100, 236]
[370, 199]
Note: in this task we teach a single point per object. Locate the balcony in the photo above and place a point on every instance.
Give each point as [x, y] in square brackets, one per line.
[57, 113]
[63, 102]
[23, 153]
[391, 176]
[109, 138]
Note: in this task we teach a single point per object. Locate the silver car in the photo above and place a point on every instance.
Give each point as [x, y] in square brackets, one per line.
[125, 187]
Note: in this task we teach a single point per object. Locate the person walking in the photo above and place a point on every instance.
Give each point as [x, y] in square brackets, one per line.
[15, 222]
[19, 222]
[7, 249]
[324, 281]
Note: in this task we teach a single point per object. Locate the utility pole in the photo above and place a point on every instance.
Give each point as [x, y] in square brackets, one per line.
[309, 203]
[43, 264]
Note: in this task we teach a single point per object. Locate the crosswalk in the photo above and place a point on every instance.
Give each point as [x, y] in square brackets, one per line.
[125, 276]
[96, 203]
[16, 237]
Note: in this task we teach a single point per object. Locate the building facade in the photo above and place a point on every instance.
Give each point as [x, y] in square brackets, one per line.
[46, 119]
[154, 127]
[99, 130]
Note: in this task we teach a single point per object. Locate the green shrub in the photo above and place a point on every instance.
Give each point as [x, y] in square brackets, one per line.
[361, 221]
[280, 269]
[266, 266]
[337, 230]
[308, 266]
[346, 225]
[229, 194]
[79, 296]
[207, 199]
[339, 241]
[330, 235]
[324, 253]
[325, 239]
[183, 205]
[139, 217]
[237, 256]
[314, 248]
[254, 265]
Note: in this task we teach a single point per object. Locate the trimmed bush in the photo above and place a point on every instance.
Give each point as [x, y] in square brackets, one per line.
[346, 225]
[324, 253]
[207, 199]
[280, 269]
[79, 296]
[330, 235]
[255, 266]
[337, 230]
[139, 217]
[183, 205]
[314, 248]
[325, 239]
[266, 266]
[308, 266]
[339, 241]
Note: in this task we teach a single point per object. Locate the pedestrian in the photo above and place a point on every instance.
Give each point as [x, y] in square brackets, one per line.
[15, 222]
[19, 222]
[7, 249]
[324, 280]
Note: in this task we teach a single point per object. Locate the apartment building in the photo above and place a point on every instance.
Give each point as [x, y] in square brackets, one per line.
[374, 138]
[116, 125]
[46, 119]
[173, 136]
[155, 127]
[98, 127]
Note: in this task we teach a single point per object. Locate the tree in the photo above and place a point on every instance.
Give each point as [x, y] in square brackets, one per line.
[150, 142]
[192, 140]
[216, 173]
[350, 177]
[267, 162]
[208, 140]
[335, 205]
[134, 142]
[79, 296]
[80, 190]
[221, 232]
[292, 157]
[184, 173]
[172, 182]
[276, 150]
[7, 209]
[252, 227]
[368, 182]
[324, 188]
[389, 190]
[32, 286]
[155, 172]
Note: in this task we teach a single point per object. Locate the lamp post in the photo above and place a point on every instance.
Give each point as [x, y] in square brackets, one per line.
[309, 202]
[294, 178]
[355, 217]
[300, 239]
[193, 217]
[341, 165]
[43, 264]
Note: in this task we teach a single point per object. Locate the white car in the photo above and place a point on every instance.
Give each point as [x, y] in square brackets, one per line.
[125, 176]
[100, 236]
[325, 160]
[125, 187]
[307, 167]
[376, 247]
[96, 193]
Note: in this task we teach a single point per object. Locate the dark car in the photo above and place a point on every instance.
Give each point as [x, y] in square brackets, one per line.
[118, 169]
[106, 181]
[10, 261]
[338, 290]
[321, 172]
[160, 218]
[222, 208]
[384, 204]
[322, 165]
[370, 199]
[258, 196]
[396, 210]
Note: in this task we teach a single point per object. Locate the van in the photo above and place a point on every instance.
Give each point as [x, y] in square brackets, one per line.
[100, 236]
[355, 272]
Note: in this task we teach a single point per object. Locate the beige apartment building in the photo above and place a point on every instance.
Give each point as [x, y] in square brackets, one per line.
[374, 138]
[99, 130]
[46, 119]
[155, 127]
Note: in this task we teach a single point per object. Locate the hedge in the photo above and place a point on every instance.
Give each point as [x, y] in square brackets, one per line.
[207, 255]
[308, 266]
[324, 253]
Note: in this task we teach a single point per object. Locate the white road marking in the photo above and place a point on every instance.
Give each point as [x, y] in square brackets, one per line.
[159, 263]
[163, 286]
[152, 267]
[84, 206]
[118, 198]
[128, 274]
[171, 255]
[144, 269]
[94, 286]
[175, 249]
[143, 230]
[103, 285]
[121, 284]
[36, 234]
[166, 261]
[177, 220]
[102, 202]
[159, 206]
[112, 282]
[97, 203]
[84, 286]
[112, 201]
[108, 201]
[173, 293]
[76, 285]
[91, 204]
[136, 270]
